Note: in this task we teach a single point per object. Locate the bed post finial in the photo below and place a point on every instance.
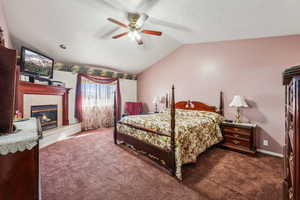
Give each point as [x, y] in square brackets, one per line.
[221, 107]
[115, 118]
[173, 131]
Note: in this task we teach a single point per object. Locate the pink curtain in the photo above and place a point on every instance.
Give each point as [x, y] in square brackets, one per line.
[94, 101]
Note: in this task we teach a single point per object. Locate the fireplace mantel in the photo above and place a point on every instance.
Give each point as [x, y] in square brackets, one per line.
[31, 88]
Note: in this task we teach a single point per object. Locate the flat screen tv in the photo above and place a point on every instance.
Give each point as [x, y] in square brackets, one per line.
[36, 63]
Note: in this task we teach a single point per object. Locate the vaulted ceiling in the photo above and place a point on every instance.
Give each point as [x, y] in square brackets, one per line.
[82, 26]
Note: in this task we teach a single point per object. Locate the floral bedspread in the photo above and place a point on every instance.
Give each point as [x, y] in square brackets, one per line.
[195, 131]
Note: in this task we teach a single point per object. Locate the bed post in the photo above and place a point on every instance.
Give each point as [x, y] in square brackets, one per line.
[167, 100]
[173, 132]
[115, 118]
[221, 107]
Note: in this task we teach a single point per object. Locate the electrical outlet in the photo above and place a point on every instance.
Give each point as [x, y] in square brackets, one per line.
[266, 143]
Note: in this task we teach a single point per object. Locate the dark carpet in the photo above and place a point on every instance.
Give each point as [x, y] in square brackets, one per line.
[89, 166]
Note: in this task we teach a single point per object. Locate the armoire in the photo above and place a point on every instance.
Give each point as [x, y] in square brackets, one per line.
[291, 80]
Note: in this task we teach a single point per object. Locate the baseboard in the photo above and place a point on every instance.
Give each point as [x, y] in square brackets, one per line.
[55, 135]
[270, 153]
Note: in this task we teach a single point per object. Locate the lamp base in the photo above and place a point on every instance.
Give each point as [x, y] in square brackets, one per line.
[237, 115]
[156, 110]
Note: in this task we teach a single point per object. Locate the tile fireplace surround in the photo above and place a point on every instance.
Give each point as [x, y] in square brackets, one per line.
[30, 94]
[41, 100]
[59, 95]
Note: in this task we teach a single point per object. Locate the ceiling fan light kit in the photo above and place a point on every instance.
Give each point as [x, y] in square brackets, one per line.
[136, 23]
[133, 35]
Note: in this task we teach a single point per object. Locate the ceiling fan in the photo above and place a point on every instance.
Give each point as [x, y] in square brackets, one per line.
[135, 27]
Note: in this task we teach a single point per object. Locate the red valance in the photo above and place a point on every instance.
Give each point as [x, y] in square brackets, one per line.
[100, 80]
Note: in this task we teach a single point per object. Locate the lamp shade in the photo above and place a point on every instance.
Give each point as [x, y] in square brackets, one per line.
[162, 100]
[156, 100]
[238, 101]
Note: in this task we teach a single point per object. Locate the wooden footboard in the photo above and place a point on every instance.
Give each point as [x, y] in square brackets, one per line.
[159, 153]
[167, 156]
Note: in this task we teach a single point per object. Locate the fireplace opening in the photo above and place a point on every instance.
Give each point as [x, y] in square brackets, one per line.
[47, 114]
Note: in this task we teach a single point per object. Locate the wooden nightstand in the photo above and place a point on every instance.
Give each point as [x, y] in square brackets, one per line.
[239, 136]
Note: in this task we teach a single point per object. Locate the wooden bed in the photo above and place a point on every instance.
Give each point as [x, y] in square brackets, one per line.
[167, 156]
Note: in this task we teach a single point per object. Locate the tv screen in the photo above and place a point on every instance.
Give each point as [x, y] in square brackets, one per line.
[36, 63]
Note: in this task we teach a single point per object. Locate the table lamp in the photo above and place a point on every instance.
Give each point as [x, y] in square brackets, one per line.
[238, 102]
[156, 101]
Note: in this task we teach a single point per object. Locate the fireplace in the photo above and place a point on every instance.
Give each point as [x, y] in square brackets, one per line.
[47, 114]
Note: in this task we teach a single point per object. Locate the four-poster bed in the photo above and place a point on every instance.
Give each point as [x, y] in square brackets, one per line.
[156, 134]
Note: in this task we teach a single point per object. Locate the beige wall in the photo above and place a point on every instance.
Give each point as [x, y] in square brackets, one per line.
[251, 68]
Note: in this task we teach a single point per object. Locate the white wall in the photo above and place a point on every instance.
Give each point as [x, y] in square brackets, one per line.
[128, 90]
[70, 80]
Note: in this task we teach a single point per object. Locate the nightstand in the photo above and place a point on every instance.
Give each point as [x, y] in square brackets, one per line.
[239, 136]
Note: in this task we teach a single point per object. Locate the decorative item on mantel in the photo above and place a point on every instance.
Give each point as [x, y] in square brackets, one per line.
[238, 102]
[156, 101]
[2, 41]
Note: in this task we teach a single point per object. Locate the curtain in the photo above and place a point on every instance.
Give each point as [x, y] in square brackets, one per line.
[95, 101]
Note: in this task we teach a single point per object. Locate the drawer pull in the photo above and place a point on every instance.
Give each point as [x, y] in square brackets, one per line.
[235, 141]
[236, 135]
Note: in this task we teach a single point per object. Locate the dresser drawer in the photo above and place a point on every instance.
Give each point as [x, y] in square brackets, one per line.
[240, 137]
[237, 142]
[237, 136]
[237, 130]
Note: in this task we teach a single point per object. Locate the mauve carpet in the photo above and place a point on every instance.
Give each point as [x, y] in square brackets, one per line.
[89, 166]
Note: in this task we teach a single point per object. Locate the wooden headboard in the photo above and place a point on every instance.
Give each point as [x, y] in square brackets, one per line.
[195, 105]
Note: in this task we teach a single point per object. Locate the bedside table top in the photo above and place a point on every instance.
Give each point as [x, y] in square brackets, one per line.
[243, 125]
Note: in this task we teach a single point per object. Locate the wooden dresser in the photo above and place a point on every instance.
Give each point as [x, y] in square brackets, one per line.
[291, 80]
[239, 137]
[19, 162]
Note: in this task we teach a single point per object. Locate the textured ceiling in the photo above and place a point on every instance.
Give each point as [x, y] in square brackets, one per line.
[82, 26]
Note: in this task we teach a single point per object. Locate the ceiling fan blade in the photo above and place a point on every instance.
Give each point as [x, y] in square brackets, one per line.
[120, 35]
[117, 22]
[142, 19]
[150, 32]
[108, 31]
